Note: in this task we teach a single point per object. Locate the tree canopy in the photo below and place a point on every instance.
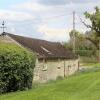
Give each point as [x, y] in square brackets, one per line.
[94, 26]
[95, 20]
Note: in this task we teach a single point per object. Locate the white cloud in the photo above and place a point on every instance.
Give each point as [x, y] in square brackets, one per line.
[31, 6]
[54, 34]
[15, 15]
[43, 11]
[12, 30]
[54, 28]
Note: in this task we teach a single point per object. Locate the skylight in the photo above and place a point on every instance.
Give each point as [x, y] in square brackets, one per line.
[46, 50]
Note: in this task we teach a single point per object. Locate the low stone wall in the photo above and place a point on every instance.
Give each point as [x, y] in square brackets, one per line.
[52, 69]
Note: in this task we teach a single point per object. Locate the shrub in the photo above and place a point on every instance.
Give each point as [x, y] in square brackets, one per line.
[86, 53]
[16, 68]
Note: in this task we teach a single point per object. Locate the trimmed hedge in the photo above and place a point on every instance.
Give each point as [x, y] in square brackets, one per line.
[16, 68]
[87, 53]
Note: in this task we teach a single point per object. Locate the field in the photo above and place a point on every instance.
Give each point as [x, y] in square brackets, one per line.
[85, 86]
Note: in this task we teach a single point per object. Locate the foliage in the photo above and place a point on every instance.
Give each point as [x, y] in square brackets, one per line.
[85, 86]
[83, 46]
[75, 35]
[16, 68]
[68, 45]
[95, 20]
[87, 53]
[93, 38]
[87, 59]
[95, 26]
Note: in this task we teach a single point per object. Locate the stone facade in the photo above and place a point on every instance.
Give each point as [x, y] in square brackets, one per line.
[52, 69]
[46, 70]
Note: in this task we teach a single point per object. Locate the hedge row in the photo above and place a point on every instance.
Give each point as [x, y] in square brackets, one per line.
[16, 68]
[86, 52]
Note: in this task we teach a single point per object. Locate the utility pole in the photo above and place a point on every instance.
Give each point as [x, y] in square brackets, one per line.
[73, 32]
[3, 27]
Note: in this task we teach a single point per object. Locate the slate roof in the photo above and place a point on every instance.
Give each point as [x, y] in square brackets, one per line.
[43, 48]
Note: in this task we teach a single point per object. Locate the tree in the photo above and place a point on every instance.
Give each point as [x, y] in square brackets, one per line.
[79, 39]
[74, 36]
[95, 21]
[83, 46]
[91, 36]
[95, 27]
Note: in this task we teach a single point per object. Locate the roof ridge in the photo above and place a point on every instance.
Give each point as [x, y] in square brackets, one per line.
[44, 49]
[5, 33]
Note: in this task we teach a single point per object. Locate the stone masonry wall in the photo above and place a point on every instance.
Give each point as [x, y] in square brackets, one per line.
[52, 69]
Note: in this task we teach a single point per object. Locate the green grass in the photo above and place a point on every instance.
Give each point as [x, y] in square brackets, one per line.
[90, 59]
[90, 65]
[89, 62]
[84, 86]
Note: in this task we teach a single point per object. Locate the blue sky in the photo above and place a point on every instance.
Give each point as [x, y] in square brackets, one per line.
[44, 19]
[4, 4]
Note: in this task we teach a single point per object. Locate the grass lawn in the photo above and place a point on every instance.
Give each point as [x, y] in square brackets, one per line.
[84, 86]
[90, 65]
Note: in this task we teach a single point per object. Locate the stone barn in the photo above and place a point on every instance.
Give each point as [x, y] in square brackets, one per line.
[53, 59]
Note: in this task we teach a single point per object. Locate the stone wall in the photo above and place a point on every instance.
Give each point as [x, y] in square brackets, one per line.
[52, 69]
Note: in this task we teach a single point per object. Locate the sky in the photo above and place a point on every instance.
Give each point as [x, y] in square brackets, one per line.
[50, 20]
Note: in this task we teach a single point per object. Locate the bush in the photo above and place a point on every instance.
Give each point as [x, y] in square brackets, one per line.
[16, 68]
[87, 53]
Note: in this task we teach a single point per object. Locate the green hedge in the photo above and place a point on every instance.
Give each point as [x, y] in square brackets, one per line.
[16, 68]
[86, 52]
